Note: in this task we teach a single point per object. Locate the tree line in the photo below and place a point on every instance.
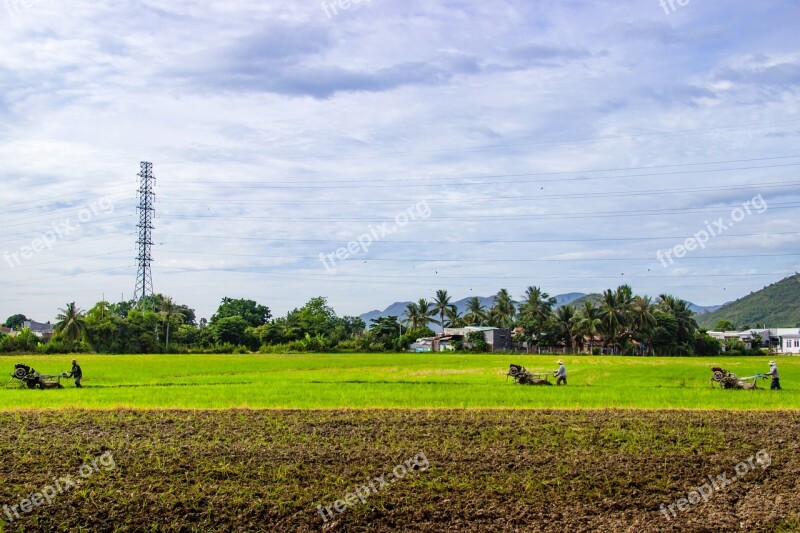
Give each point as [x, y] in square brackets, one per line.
[615, 322]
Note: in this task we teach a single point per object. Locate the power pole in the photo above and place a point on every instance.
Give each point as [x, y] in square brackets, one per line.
[146, 209]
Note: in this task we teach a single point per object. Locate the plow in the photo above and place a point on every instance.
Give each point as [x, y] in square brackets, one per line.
[522, 376]
[729, 380]
[26, 377]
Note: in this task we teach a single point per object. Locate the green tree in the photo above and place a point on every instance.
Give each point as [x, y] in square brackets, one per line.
[385, 332]
[441, 305]
[254, 314]
[566, 319]
[476, 314]
[477, 340]
[643, 321]
[535, 313]
[706, 345]
[168, 311]
[614, 314]
[412, 317]
[589, 322]
[231, 329]
[71, 324]
[15, 321]
[26, 340]
[725, 325]
[503, 311]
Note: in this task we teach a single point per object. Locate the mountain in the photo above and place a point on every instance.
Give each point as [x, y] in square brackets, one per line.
[399, 308]
[569, 298]
[594, 298]
[774, 306]
[701, 310]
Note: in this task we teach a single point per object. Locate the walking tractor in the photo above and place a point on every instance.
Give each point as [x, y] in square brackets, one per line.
[26, 377]
[522, 376]
[729, 380]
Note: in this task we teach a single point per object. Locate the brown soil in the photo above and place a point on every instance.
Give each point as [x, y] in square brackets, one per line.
[489, 470]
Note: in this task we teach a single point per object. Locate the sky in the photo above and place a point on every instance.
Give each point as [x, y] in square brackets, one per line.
[376, 151]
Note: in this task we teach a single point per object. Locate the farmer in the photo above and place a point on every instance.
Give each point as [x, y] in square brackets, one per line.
[776, 377]
[76, 373]
[561, 373]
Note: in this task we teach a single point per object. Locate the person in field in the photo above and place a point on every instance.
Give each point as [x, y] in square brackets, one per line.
[776, 377]
[561, 373]
[76, 374]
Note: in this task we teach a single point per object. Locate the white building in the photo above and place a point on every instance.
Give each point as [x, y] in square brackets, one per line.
[786, 340]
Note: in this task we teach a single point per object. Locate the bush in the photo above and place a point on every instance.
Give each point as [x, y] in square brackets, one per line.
[60, 346]
[596, 350]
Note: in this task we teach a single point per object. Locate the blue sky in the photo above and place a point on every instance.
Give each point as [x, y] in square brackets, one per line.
[551, 143]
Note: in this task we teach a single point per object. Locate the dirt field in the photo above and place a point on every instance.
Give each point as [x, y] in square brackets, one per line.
[461, 470]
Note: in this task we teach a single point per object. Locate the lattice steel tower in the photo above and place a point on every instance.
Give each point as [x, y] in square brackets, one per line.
[146, 209]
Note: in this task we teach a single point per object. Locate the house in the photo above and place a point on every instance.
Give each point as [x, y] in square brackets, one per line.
[723, 336]
[7, 331]
[39, 329]
[779, 340]
[785, 340]
[498, 339]
[422, 345]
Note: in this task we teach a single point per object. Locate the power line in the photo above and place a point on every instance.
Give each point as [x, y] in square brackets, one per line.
[485, 241]
[552, 143]
[493, 260]
[596, 214]
[378, 184]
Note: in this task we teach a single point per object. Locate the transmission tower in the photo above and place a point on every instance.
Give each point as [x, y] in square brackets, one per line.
[146, 209]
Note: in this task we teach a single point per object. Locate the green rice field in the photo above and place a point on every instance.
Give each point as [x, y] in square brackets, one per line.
[407, 381]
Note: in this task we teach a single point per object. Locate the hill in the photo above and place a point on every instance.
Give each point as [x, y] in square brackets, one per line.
[774, 306]
[398, 308]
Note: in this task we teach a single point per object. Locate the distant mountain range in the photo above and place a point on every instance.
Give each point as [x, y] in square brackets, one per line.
[574, 298]
[774, 306]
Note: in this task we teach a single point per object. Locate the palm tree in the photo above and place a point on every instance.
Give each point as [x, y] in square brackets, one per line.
[476, 312]
[615, 312]
[535, 312]
[412, 316]
[503, 310]
[589, 322]
[687, 326]
[426, 312]
[71, 324]
[566, 318]
[169, 310]
[453, 317]
[441, 304]
[643, 320]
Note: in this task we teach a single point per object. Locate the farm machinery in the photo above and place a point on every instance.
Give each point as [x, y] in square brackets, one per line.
[729, 380]
[522, 376]
[26, 377]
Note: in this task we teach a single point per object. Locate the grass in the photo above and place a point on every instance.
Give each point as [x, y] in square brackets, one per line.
[415, 381]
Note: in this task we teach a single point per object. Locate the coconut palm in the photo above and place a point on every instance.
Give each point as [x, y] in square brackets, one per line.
[168, 311]
[453, 318]
[71, 324]
[615, 313]
[566, 320]
[503, 310]
[535, 313]
[441, 304]
[411, 313]
[589, 321]
[643, 320]
[426, 312]
[687, 326]
[476, 312]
